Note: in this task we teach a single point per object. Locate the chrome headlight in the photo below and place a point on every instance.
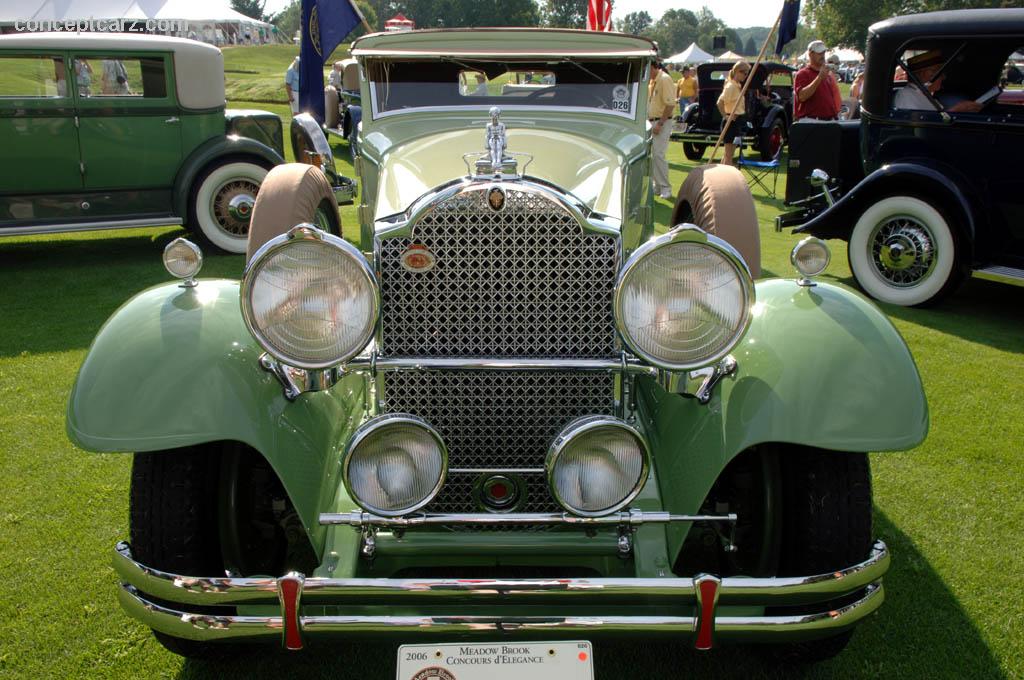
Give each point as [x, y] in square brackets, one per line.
[395, 464]
[684, 299]
[597, 465]
[310, 298]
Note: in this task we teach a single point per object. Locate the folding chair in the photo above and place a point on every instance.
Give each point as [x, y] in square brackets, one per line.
[757, 172]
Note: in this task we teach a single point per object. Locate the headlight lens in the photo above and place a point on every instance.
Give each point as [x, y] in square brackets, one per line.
[310, 298]
[811, 256]
[395, 464]
[684, 299]
[597, 465]
[182, 258]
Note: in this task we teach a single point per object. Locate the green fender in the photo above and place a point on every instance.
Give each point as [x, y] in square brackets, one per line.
[819, 366]
[225, 147]
[176, 366]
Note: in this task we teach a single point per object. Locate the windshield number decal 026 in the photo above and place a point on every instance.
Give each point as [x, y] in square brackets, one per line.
[620, 98]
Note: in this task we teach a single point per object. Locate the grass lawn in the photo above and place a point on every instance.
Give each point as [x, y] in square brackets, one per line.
[952, 510]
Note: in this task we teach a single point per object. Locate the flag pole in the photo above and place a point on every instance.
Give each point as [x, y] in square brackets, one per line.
[366, 25]
[746, 83]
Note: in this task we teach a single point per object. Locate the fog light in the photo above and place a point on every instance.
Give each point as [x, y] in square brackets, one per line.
[597, 465]
[394, 464]
[499, 493]
[810, 257]
[183, 260]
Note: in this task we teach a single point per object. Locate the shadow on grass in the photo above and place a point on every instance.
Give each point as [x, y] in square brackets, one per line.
[66, 287]
[920, 632]
[985, 312]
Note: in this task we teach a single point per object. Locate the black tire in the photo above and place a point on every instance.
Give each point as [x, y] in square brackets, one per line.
[771, 140]
[826, 527]
[327, 218]
[173, 525]
[694, 152]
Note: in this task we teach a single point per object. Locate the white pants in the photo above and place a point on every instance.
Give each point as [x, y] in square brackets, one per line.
[295, 104]
[659, 163]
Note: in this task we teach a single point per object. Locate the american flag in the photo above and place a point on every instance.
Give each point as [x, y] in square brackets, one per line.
[599, 15]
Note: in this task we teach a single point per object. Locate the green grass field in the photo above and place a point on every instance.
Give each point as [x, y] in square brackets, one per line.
[952, 510]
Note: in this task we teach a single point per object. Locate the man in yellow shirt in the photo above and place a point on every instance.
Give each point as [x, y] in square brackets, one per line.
[686, 88]
[661, 104]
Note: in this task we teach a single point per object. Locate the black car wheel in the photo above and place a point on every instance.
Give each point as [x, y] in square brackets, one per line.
[771, 141]
[178, 522]
[694, 152]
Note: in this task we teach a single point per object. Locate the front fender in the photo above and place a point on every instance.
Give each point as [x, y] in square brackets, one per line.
[209, 151]
[933, 184]
[819, 366]
[175, 367]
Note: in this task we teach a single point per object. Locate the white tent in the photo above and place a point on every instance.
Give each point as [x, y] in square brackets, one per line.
[848, 55]
[691, 55]
[728, 56]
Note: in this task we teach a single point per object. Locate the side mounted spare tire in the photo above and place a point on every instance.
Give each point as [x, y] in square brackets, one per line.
[331, 100]
[717, 199]
[292, 194]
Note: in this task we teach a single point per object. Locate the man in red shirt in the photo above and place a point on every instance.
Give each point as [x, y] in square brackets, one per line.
[817, 94]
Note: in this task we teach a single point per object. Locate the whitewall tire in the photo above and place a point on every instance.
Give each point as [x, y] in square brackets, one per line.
[903, 252]
[222, 204]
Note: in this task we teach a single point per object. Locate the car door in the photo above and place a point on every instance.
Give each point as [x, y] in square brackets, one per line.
[130, 130]
[37, 127]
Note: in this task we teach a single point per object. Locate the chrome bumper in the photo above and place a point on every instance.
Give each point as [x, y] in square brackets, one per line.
[441, 600]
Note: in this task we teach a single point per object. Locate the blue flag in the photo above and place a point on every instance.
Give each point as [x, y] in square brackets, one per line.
[787, 25]
[325, 24]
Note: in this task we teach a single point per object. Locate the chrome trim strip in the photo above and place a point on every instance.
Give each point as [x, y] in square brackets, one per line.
[485, 54]
[1001, 274]
[513, 471]
[194, 590]
[209, 627]
[488, 363]
[631, 518]
[92, 226]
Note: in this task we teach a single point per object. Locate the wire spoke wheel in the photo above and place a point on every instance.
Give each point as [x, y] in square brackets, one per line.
[232, 205]
[903, 251]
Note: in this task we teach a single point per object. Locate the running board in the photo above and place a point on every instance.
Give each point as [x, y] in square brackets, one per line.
[167, 221]
[1002, 274]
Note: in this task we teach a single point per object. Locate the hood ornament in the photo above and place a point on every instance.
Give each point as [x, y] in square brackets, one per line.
[496, 162]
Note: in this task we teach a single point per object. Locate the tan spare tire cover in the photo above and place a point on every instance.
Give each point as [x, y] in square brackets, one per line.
[719, 202]
[289, 195]
[330, 107]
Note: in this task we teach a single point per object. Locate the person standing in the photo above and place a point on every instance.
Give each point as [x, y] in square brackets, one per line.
[817, 94]
[729, 102]
[661, 103]
[686, 89]
[291, 85]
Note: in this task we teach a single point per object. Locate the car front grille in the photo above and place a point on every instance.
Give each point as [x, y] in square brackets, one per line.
[524, 281]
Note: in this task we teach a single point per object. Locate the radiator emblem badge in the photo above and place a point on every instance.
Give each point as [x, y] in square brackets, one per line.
[417, 258]
[496, 198]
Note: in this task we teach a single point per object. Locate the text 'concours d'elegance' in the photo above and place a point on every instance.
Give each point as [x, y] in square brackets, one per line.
[523, 339]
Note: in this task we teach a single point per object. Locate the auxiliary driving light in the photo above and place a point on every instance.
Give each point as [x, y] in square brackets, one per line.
[597, 465]
[310, 298]
[810, 257]
[395, 464]
[183, 260]
[683, 300]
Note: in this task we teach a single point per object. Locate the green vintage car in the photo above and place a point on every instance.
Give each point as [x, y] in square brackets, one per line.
[111, 131]
[506, 411]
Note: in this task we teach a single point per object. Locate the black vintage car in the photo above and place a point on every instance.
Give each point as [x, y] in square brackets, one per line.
[926, 187]
[769, 110]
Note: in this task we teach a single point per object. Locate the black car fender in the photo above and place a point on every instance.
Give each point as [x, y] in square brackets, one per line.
[775, 111]
[690, 113]
[939, 185]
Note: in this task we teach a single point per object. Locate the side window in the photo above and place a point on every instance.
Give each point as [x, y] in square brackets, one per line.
[32, 77]
[104, 76]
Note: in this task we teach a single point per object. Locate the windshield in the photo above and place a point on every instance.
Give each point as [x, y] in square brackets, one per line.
[606, 86]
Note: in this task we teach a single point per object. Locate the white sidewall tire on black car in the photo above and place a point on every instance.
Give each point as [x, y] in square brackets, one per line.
[217, 181]
[923, 224]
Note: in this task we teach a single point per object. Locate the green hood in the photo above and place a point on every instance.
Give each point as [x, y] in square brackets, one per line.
[591, 171]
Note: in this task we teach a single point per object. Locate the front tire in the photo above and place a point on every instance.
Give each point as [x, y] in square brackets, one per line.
[903, 251]
[222, 204]
[694, 152]
[772, 140]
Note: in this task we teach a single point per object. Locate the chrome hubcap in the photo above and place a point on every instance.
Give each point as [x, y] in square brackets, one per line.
[903, 251]
[232, 205]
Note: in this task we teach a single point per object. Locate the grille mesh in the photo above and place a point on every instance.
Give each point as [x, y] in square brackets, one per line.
[524, 281]
[497, 419]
